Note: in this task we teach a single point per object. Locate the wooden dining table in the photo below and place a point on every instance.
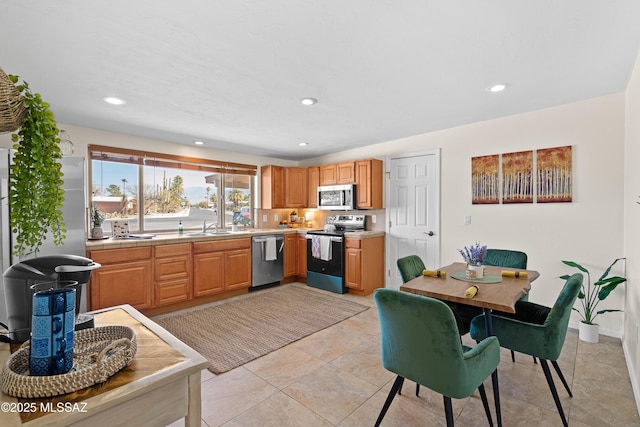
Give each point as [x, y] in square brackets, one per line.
[501, 295]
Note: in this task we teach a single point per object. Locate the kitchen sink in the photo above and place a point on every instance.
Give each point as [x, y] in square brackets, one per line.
[207, 233]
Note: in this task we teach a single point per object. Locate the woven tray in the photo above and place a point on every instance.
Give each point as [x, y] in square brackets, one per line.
[98, 353]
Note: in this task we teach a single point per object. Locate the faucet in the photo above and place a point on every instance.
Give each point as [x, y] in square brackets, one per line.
[205, 227]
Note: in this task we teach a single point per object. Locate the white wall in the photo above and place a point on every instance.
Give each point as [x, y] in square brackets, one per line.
[589, 230]
[632, 228]
[81, 137]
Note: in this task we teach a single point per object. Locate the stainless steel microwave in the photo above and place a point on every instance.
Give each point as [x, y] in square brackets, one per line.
[337, 197]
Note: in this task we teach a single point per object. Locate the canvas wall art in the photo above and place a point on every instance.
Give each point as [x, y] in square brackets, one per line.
[517, 177]
[553, 173]
[484, 176]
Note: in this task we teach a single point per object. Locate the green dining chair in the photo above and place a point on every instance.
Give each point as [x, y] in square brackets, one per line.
[506, 258]
[420, 341]
[509, 259]
[411, 267]
[536, 330]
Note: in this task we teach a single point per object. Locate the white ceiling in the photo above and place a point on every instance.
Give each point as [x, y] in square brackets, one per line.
[231, 73]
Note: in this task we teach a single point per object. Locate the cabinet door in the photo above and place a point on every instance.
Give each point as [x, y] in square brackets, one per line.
[369, 184]
[313, 177]
[123, 283]
[301, 256]
[353, 268]
[237, 268]
[346, 173]
[295, 186]
[289, 255]
[329, 174]
[208, 273]
[272, 187]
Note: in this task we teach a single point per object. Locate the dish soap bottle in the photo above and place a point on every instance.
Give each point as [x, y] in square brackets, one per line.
[180, 229]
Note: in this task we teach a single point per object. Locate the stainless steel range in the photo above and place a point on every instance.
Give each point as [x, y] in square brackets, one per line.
[325, 252]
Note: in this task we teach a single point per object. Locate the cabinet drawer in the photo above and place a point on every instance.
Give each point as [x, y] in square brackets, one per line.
[108, 256]
[221, 245]
[172, 268]
[163, 251]
[353, 243]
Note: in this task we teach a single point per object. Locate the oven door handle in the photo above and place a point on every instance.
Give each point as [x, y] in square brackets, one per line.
[333, 238]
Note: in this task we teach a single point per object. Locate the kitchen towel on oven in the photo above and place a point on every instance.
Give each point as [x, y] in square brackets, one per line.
[325, 248]
[315, 246]
[270, 249]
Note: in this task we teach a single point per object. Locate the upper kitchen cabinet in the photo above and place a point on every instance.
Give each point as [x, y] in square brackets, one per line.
[272, 183]
[369, 184]
[295, 187]
[313, 177]
[338, 173]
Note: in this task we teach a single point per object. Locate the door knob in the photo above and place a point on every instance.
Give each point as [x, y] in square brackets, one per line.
[429, 233]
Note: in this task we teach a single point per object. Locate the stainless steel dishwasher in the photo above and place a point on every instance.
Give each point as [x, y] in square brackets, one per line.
[267, 259]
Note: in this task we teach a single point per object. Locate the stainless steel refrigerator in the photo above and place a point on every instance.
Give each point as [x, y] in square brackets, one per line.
[73, 211]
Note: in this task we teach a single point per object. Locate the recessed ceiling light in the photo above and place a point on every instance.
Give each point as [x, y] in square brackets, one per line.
[497, 87]
[113, 100]
[308, 101]
[198, 142]
[303, 144]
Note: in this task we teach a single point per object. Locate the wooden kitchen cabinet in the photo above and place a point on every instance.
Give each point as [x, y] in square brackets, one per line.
[124, 278]
[301, 255]
[364, 264]
[272, 181]
[369, 184]
[313, 181]
[221, 265]
[172, 273]
[338, 173]
[295, 187]
[289, 255]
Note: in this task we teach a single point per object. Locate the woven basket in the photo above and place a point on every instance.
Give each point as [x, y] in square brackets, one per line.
[12, 109]
[98, 353]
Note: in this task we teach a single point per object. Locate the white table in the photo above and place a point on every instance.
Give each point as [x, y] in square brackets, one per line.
[160, 386]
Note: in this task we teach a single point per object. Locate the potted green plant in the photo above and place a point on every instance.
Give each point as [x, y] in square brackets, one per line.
[590, 296]
[97, 218]
[35, 190]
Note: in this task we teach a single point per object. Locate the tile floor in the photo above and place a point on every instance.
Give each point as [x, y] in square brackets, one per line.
[334, 378]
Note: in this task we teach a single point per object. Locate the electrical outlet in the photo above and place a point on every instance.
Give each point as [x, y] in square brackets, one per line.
[264, 218]
[467, 220]
[275, 217]
[373, 219]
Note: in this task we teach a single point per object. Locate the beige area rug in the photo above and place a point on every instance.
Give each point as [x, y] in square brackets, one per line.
[234, 333]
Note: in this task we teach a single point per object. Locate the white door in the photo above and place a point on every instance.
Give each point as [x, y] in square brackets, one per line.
[413, 210]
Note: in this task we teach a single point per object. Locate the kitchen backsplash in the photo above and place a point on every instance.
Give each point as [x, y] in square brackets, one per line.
[315, 219]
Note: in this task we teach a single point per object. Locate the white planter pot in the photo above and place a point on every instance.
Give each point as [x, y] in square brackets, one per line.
[234, 228]
[97, 233]
[588, 333]
[478, 269]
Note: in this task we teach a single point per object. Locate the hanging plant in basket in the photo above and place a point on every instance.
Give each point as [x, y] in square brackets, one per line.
[35, 193]
[12, 111]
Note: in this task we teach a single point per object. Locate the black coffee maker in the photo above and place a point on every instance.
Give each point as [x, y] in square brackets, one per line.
[57, 270]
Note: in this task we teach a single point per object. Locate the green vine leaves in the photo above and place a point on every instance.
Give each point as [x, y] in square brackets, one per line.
[35, 193]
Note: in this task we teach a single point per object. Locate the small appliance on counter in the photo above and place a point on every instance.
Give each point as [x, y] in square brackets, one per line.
[19, 281]
[325, 252]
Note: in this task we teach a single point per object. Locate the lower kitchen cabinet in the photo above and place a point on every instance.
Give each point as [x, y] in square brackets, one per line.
[220, 266]
[364, 264]
[124, 278]
[172, 273]
[289, 255]
[301, 255]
